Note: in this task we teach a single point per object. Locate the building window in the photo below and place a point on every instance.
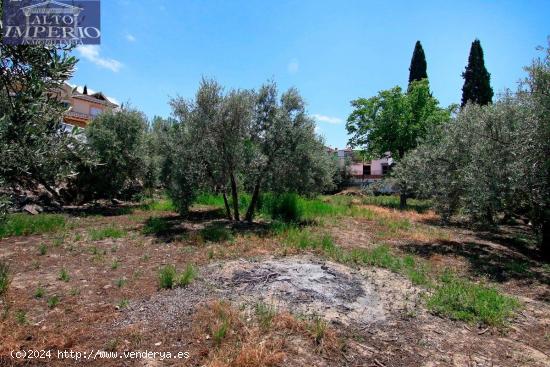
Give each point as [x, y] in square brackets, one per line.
[94, 111]
[366, 170]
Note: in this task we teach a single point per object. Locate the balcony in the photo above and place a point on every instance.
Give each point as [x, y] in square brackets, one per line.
[78, 115]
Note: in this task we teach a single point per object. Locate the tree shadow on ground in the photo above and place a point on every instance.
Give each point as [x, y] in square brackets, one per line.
[497, 263]
[101, 210]
[516, 237]
[208, 224]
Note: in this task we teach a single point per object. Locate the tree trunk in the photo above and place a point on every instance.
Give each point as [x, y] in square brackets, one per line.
[253, 201]
[235, 196]
[227, 208]
[545, 238]
[402, 200]
[403, 193]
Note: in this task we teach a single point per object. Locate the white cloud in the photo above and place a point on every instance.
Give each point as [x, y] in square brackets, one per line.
[327, 119]
[130, 37]
[92, 54]
[293, 66]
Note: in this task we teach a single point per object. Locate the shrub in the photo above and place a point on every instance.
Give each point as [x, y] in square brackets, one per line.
[463, 300]
[23, 224]
[283, 207]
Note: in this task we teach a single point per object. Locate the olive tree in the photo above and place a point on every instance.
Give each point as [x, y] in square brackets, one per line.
[34, 151]
[533, 146]
[248, 140]
[491, 162]
[116, 139]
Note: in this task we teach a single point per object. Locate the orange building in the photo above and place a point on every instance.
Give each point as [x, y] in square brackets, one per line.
[83, 107]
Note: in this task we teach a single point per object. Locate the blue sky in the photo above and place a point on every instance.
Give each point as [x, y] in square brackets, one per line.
[332, 51]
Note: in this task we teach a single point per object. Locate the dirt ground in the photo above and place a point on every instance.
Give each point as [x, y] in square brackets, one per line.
[254, 303]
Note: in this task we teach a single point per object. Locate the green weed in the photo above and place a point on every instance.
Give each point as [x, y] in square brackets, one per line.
[463, 300]
[98, 234]
[64, 275]
[39, 292]
[23, 224]
[4, 278]
[167, 277]
[187, 276]
[53, 301]
[265, 314]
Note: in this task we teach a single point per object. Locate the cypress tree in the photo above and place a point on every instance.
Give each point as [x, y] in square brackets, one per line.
[85, 91]
[417, 70]
[477, 80]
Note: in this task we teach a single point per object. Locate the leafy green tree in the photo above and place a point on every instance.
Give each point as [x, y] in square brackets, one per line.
[477, 80]
[116, 140]
[394, 121]
[418, 68]
[34, 152]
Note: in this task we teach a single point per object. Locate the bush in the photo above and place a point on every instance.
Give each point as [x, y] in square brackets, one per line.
[283, 207]
[24, 224]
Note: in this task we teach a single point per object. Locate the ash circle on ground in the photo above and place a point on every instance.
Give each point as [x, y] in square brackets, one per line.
[303, 285]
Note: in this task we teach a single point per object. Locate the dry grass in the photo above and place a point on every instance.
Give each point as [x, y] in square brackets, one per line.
[246, 343]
